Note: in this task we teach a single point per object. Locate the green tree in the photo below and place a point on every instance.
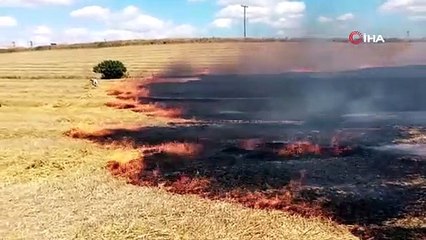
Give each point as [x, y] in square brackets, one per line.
[110, 69]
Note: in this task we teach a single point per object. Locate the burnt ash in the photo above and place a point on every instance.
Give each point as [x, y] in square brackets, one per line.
[314, 96]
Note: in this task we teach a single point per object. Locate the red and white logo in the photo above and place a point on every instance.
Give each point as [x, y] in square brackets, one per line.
[356, 37]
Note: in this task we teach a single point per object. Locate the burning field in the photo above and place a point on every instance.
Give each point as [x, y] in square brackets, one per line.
[315, 144]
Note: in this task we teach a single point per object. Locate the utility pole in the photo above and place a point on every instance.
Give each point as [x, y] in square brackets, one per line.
[245, 19]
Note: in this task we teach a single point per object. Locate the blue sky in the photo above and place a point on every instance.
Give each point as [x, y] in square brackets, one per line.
[70, 21]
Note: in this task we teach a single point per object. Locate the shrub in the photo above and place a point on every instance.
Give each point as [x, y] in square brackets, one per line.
[110, 69]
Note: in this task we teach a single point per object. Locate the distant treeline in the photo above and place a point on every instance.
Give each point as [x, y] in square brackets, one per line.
[183, 40]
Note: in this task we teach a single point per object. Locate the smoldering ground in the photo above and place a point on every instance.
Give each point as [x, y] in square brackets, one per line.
[302, 141]
[297, 97]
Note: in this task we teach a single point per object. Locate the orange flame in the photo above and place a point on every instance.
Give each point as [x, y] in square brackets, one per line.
[130, 170]
[128, 94]
[187, 185]
[300, 148]
[121, 104]
[157, 111]
[176, 148]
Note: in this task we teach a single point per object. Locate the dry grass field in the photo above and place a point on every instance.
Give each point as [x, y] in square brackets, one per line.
[55, 187]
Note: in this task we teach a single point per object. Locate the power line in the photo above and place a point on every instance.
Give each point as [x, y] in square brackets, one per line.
[245, 19]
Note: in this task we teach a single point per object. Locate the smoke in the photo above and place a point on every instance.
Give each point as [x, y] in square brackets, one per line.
[296, 96]
[178, 69]
[303, 56]
[295, 81]
[317, 56]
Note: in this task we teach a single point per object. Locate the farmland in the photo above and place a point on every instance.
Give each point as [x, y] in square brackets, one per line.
[56, 187]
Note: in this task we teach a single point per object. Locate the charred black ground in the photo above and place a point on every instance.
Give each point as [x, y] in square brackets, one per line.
[262, 133]
[296, 96]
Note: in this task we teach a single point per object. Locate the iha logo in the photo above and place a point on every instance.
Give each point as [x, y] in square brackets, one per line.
[357, 37]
